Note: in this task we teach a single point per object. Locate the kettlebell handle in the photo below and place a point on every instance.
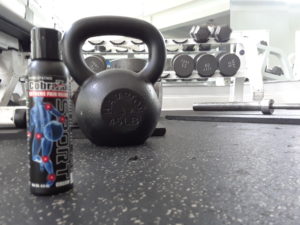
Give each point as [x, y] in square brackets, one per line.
[112, 25]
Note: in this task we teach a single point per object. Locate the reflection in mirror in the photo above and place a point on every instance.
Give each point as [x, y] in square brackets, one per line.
[276, 23]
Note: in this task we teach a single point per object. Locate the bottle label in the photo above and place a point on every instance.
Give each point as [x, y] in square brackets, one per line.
[49, 131]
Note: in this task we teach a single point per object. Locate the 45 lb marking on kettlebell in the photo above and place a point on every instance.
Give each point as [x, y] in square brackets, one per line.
[123, 108]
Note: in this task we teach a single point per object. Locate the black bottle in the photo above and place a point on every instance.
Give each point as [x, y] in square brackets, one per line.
[49, 136]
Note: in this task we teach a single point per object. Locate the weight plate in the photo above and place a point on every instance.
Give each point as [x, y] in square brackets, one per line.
[197, 56]
[206, 65]
[96, 63]
[183, 65]
[229, 64]
[172, 61]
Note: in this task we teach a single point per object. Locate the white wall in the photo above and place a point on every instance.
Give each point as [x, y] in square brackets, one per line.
[17, 6]
[190, 11]
[162, 13]
[280, 17]
[42, 16]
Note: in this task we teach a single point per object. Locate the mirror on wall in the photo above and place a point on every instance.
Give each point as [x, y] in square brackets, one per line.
[275, 23]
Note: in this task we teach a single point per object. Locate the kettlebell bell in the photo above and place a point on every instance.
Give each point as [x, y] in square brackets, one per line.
[115, 107]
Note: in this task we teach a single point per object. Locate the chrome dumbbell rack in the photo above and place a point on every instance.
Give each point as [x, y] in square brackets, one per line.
[181, 93]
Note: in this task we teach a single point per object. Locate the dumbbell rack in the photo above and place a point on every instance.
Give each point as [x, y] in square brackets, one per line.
[195, 88]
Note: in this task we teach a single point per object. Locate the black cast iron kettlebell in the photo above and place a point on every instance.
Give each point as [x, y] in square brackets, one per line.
[115, 107]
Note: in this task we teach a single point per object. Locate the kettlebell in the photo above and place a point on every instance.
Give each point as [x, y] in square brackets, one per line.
[115, 107]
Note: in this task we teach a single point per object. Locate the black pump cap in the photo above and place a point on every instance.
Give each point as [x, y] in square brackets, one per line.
[45, 44]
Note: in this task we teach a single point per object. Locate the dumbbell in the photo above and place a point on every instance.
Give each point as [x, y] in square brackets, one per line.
[204, 47]
[117, 42]
[183, 65]
[200, 34]
[102, 48]
[96, 42]
[180, 41]
[188, 47]
[137, 42]
[222, 33]
[205, 64]
[96, 63]
[228, 63]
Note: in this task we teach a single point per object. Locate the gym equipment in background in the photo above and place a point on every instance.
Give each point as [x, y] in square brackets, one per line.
[115, 107]
[19, 118]
[121, 50]
[96, 42]
[96, 63]
[138, 50]
[204, 47]
[180, 41]
[15, 45]
[228, 63]
[183, 65]
[222, 33]
[133, 64]
[267, 107]
[102, 48]
[200, 34]
[117, 42]
[172, 49]
[205, 64]
[188, 47]
[283, 71]
[276, 70]
[137, 42]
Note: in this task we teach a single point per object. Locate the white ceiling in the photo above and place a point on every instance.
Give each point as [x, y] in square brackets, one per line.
[166, 15]
[68, 11]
